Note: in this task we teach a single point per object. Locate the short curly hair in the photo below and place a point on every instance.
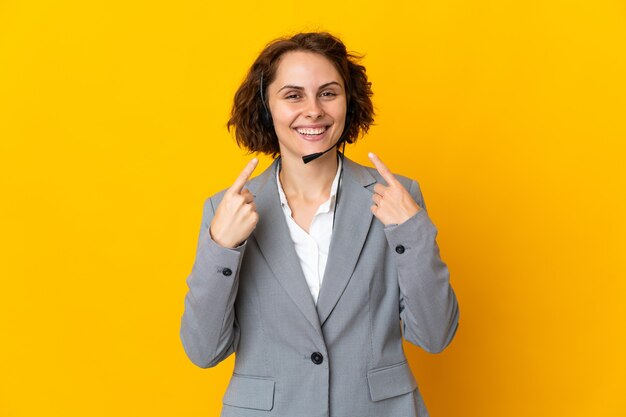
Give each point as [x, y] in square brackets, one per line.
[246, 117]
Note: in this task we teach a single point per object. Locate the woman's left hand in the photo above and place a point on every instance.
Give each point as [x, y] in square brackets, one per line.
[392, 203]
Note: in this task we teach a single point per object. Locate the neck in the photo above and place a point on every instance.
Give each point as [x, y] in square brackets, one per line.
[310, 181]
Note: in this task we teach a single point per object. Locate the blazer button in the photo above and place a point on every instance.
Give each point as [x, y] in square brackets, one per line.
[227, 272]
[400, 249]
[317, 358]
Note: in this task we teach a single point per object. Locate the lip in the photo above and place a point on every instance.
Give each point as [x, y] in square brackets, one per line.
[317, 126]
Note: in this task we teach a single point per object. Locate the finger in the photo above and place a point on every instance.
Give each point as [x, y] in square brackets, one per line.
[243, 176]
[382, 169]
[377, 199]
[380, 189]
[247, 194]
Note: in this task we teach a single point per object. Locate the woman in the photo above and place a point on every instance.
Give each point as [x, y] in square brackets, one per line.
[313, 271]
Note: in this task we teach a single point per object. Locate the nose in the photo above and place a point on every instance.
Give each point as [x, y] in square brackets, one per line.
[314, 110]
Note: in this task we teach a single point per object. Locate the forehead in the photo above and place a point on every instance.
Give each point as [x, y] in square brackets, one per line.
[305, 68]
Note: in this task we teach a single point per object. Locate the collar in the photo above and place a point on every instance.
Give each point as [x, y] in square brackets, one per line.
[325, 207]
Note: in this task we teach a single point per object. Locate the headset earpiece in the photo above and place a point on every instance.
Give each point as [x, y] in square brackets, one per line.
[266, 117]
[346, 126]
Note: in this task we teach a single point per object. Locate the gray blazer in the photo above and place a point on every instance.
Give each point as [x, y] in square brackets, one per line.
[342, 357]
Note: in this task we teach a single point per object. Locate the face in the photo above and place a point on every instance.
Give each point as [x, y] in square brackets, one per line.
[307, 101]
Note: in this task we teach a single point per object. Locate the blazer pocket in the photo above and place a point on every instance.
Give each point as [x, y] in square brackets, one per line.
[250, 392]
[390, 381]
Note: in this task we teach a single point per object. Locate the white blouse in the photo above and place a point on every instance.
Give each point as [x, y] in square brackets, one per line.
[312, 247]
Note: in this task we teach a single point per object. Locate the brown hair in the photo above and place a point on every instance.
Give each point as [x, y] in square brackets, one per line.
[246, 117]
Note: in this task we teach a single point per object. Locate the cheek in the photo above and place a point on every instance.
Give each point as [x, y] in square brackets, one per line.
[337, 110]
[284, 117]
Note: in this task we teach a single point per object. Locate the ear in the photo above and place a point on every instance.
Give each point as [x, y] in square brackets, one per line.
[266, 117]
[349, 117]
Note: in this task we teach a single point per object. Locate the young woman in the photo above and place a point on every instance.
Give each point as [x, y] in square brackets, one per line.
[314, 270]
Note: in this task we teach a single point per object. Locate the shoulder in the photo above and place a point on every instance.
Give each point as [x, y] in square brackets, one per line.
[364, 172]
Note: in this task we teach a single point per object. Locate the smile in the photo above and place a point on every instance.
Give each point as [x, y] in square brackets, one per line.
[311, 131]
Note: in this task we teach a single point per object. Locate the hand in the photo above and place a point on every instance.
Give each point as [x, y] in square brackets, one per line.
[235, 216]
[392, 203]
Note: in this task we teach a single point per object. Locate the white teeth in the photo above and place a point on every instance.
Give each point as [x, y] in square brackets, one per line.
[307, 131]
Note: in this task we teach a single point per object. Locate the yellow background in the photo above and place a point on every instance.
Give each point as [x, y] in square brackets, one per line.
[511, 115]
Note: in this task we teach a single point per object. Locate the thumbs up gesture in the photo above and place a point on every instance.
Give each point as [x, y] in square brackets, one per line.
[235, 217]
[392, 203]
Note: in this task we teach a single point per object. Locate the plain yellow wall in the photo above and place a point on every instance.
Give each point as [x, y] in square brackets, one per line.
[511, 115]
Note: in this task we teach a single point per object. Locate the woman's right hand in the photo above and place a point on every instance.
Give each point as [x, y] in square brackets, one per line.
[235, 217]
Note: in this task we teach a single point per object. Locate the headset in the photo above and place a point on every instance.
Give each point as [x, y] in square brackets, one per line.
[266, 117]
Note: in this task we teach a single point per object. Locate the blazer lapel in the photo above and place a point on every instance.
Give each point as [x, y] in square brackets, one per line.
[351, 228]
[274, 241]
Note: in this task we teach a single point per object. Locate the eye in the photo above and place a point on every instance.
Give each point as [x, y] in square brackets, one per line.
[328, 94]
[293, 96]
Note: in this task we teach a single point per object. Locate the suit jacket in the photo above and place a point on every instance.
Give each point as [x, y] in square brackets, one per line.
[342, 357]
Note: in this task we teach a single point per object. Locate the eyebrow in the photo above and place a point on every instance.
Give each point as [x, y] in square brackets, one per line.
[295, 87]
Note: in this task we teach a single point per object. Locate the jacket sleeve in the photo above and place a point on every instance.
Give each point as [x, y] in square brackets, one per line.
[428, 306]
[209, 331]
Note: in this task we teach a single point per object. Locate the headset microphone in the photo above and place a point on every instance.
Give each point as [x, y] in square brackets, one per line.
[313, 156]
